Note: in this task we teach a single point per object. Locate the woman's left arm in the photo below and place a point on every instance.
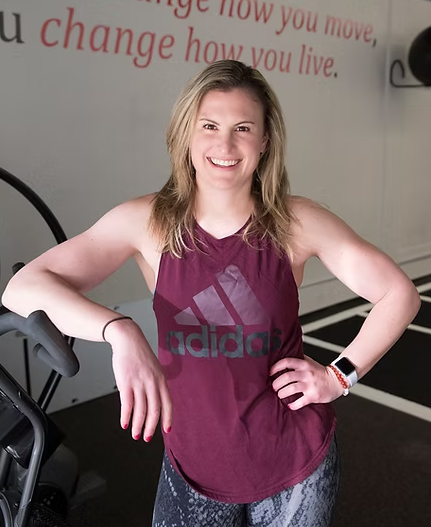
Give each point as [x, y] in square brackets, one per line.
[370, 274]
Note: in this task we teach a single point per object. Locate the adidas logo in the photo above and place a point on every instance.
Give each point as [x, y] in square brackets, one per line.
[232, 344]
[218, 309]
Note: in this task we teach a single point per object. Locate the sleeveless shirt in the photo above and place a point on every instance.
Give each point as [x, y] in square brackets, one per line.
[225, 315]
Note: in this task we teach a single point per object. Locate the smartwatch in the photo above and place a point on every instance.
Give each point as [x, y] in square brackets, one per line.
[347, 369]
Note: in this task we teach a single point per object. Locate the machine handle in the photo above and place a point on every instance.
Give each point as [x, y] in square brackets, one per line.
[52, 347]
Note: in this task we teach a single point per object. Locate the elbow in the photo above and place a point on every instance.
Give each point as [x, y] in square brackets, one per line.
[13, 297]
[416, 302]
[405, 297]
[7, 298]
[410, 299]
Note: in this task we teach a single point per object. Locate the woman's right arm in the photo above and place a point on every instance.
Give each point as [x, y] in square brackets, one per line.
[56, 281]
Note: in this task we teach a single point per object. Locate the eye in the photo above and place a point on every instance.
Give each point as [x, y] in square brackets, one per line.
[209, 126]
[243, 128]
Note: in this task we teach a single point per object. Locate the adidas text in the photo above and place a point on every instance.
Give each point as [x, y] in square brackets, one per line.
[209, 343]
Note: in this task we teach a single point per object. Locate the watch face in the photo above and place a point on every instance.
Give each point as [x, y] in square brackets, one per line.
[345, 366]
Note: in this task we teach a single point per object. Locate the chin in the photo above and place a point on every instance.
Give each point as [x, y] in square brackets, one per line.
[229, 179]
[223, 183]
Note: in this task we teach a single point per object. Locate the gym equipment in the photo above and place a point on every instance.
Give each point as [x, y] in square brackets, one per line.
[30, 495]
[420, 57]
[419, 60]
[39, 477]
[60, 237]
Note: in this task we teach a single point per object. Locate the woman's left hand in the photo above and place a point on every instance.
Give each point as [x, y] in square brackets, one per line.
[317, 383]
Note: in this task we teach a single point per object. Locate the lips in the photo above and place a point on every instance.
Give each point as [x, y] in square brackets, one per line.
[224, 162]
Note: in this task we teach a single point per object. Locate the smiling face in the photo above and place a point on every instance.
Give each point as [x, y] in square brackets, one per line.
[227, 140]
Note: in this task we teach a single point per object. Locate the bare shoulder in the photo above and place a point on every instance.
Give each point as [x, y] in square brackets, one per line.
[130, 219]
[316, 230]
[139, 207]
[356, 262]
[302, 207]
[134, 218]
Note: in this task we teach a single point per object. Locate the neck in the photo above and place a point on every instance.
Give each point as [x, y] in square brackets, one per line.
[222, 213]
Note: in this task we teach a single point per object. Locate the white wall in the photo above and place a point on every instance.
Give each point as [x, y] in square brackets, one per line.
[85, 129]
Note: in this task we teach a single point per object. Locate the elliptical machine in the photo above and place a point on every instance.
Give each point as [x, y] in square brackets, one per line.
[30, 440]
[39, 477]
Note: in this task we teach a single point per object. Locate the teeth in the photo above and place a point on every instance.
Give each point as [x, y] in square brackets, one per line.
[224, 163]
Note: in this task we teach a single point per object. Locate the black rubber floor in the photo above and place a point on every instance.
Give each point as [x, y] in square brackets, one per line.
[385, 455]
[403, 371]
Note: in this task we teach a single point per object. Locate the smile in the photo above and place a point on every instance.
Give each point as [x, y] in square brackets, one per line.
[224, 163]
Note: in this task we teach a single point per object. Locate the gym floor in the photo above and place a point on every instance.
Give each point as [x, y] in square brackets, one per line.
[384, 434]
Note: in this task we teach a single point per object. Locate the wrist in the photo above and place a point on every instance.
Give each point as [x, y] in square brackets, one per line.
[346, 369]
[341, 382]
[118, 329]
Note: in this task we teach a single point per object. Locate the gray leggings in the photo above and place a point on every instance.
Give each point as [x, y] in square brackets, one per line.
[307, 504]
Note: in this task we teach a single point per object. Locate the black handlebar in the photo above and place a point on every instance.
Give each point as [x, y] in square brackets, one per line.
[51, 346]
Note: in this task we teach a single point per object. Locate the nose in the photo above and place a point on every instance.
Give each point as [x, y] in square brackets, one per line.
[226, 141]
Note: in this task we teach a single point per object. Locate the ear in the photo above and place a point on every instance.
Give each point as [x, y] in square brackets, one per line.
[264, 143]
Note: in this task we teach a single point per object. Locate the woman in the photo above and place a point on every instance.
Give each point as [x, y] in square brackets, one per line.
[249, 436]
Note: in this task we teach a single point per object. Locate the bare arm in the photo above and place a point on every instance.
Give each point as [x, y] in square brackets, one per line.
[56, 280]
[368, 272]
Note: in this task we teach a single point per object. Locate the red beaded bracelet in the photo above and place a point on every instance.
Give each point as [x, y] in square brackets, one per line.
[341, 379]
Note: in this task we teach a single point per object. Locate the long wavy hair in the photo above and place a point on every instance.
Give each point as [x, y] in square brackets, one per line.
[173, 208]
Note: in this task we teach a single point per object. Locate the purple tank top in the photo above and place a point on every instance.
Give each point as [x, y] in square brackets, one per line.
[224, 317]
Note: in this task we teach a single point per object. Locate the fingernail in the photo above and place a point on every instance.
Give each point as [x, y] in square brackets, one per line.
[148, 438]
[168, 429]
[125, 425]
[136, 436]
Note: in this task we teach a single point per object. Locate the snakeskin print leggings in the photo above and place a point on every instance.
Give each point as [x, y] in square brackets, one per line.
[307, 504]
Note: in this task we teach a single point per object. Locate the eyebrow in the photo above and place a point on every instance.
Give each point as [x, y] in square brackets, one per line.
[215, 122]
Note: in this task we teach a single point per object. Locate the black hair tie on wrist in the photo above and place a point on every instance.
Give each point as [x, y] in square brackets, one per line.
[110, 321]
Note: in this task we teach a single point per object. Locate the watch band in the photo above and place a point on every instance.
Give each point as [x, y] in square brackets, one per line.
[347, 369]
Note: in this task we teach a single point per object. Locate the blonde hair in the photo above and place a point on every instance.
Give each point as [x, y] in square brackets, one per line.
[173, 208]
